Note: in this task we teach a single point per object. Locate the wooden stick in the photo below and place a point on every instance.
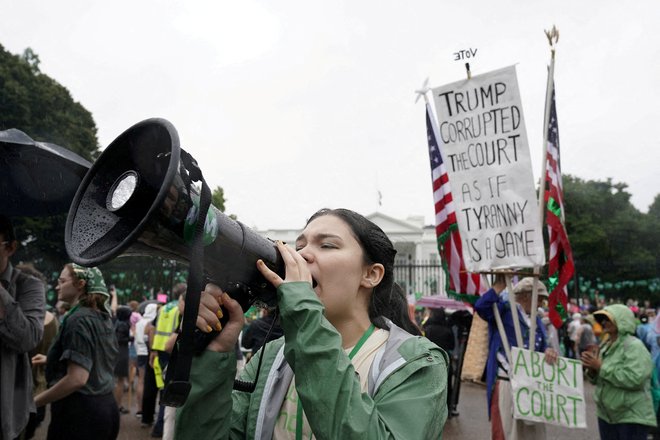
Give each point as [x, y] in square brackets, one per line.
[503, 337]
[514, 312]
[532, 318]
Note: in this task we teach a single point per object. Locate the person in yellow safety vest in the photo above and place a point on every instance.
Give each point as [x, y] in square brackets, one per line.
[167, 323]
[169, 318]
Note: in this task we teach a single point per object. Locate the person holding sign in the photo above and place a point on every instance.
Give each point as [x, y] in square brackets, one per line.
[348, 366]
[500, 402]
[622, 374]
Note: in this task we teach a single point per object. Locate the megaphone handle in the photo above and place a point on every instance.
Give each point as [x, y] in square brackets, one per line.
[177, 394]
[238, 292]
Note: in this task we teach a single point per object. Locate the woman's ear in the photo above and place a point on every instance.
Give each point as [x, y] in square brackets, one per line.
[372, 275]
[81, 284]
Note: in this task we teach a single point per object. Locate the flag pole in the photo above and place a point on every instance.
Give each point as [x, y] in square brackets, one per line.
[553, 37]
[514, 312]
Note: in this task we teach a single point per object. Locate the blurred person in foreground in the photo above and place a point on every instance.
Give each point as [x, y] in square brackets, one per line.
[621, 371]
[22, 310]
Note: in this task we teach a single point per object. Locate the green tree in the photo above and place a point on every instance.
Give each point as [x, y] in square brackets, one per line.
[38, 105]
[608, 235]
[218, 198]
[654, 209]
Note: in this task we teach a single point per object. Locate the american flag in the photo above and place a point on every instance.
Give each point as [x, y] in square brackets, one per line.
[460, 284]
[560, 266]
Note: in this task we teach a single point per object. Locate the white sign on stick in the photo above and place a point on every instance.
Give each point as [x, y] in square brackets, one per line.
[547, 393]
[483, 142]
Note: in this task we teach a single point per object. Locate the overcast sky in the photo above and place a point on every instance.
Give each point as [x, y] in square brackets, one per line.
[292, 106]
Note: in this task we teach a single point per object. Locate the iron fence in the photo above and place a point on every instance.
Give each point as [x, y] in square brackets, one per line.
[420, 277]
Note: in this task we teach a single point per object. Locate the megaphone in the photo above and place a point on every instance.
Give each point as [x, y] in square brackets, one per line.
[138, 198]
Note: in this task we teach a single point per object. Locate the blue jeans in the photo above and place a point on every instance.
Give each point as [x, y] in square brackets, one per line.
[622, 431]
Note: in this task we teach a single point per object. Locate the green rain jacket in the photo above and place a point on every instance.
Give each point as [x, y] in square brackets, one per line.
[623, 383]
[407, 396]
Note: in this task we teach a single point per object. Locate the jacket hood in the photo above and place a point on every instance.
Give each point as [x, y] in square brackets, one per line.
[150, 312]
[623, 317]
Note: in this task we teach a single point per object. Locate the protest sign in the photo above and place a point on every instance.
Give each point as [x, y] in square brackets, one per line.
[483, 142]
[547, 393]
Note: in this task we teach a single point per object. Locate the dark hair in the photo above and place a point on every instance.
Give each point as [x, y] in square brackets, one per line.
[388, 299]
[438, 316]
[6, 228]
[123, 313]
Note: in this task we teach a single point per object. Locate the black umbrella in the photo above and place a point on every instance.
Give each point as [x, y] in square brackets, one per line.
[37, 178]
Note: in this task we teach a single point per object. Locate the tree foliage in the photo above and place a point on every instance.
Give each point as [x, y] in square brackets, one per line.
[38, 105]
[612, 241]
[218, 198]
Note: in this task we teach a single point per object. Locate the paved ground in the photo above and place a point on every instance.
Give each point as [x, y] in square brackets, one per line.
[472, 423]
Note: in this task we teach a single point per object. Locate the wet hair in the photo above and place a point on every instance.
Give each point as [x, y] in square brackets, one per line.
[6, 229]
[388, 299]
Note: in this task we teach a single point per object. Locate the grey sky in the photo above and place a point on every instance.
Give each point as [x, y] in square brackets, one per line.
[296, 105]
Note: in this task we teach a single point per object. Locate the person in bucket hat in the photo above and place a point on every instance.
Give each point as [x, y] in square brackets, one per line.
[80, 363]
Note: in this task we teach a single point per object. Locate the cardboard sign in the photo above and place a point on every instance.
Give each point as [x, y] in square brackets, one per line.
[547, 393]
[483, 142]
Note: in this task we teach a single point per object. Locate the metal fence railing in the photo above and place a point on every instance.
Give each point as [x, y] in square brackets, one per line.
[421, 277]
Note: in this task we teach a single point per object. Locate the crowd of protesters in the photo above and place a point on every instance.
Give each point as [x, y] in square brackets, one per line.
[78, 357]
[617, 344]
[86, 352]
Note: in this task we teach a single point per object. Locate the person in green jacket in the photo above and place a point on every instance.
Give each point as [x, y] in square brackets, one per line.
[348, 365]
[622, 374]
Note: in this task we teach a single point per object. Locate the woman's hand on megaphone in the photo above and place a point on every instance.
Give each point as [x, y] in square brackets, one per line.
[210, 312]
[295, 266]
